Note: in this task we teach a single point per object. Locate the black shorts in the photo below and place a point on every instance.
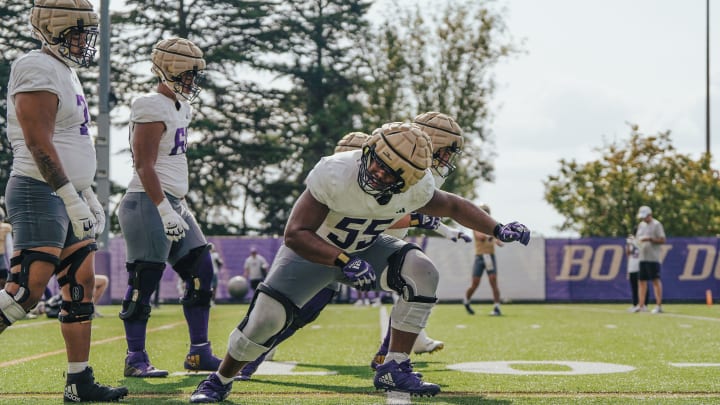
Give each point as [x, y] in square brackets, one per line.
[649, 271]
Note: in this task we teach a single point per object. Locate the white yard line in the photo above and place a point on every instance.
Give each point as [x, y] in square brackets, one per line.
[613, 311]
[93, 343]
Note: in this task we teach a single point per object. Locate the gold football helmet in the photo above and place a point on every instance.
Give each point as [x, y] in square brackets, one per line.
[400, 149]
[352, 141]
[68, 28]
[447, 140]
[179, 64]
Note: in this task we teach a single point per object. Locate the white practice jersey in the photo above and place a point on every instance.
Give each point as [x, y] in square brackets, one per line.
[171, 165]
[401, 233]
[355, 219]
[38, 71]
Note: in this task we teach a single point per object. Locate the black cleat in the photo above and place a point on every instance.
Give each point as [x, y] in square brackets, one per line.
[81, 387]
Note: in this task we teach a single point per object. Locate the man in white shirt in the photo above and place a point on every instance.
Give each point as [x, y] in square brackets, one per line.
[651, 236]
[255, 268]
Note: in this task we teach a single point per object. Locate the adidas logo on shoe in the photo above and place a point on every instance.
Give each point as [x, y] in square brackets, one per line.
[387, 379]
[71, 393]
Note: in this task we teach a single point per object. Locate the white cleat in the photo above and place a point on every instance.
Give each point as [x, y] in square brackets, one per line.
[428, 346]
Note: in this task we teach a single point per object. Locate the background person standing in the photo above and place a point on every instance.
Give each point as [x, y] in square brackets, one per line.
[484, 262]
[255, 268]
[651, 236]
[632, 250]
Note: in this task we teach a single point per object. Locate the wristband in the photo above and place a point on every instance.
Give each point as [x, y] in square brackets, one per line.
[497, 229]
[414, 220]
[342, 259]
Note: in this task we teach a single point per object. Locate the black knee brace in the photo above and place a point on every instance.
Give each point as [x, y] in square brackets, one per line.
[143, 278]
[73, 263]
[291, 310]
[76, 311]
[188, 268]
[396, 281]
[25, 259]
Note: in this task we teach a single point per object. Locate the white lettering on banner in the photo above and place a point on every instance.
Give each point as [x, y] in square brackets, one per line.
[506, 367]
[692, 256]
[579, 261]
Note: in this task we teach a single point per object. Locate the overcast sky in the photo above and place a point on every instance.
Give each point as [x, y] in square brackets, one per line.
[590, 67]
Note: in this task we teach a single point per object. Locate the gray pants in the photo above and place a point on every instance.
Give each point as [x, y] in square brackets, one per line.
[144, 233]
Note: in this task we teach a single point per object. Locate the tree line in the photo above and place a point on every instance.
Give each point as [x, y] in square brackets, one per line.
[286, 80]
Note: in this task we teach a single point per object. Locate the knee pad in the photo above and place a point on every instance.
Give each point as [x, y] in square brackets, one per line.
[73, 263]
[310, 311]
[189, 268]
[411, 274]
[241, 348]
[410, 316]
[76, 312]
[10, 310]
[25, 259]
[142, 281]
[278, 314]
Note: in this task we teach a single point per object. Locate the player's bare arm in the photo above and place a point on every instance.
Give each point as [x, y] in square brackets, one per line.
[36, 113]
[401, 223]
[306, 217]
[463, 211]
[146, 143]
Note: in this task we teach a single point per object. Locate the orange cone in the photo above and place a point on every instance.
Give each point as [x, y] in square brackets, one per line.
[708, 297]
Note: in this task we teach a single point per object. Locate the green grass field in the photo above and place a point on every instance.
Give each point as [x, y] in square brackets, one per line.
[669, 358]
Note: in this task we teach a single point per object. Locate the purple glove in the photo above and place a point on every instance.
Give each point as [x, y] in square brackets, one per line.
[462, 236]
[423, 221]
[360, 273]
[514, 231]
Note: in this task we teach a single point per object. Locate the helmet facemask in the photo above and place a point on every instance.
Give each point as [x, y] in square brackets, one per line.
[394, 158]
[444, 160]
[371, 183]
[187, 84]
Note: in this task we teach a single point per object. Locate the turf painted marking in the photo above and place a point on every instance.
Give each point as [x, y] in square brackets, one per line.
[384, 322]
[535, 326]
[461, 326]
[32, 324]
[611, 326]
[398, 398]
[93, 343]
[271, 368]
[695, 364]
[506, 367]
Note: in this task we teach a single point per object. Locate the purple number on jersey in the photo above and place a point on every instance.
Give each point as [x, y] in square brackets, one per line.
[180, 142]
[82, 103]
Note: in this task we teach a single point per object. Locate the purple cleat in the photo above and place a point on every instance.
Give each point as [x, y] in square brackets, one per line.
[392, 376]
[210, 390]
[200, 358]
[137, 364]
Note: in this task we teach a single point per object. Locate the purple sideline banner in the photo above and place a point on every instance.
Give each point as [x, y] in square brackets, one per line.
[232, 249]
[595, 269]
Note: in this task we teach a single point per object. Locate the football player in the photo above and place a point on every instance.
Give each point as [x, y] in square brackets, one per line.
[335, 234]
[155, 221]
[53, 158]
[447, 142]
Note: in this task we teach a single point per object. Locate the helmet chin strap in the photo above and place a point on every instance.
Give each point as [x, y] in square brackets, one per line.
[383, 199]
[166, 91]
